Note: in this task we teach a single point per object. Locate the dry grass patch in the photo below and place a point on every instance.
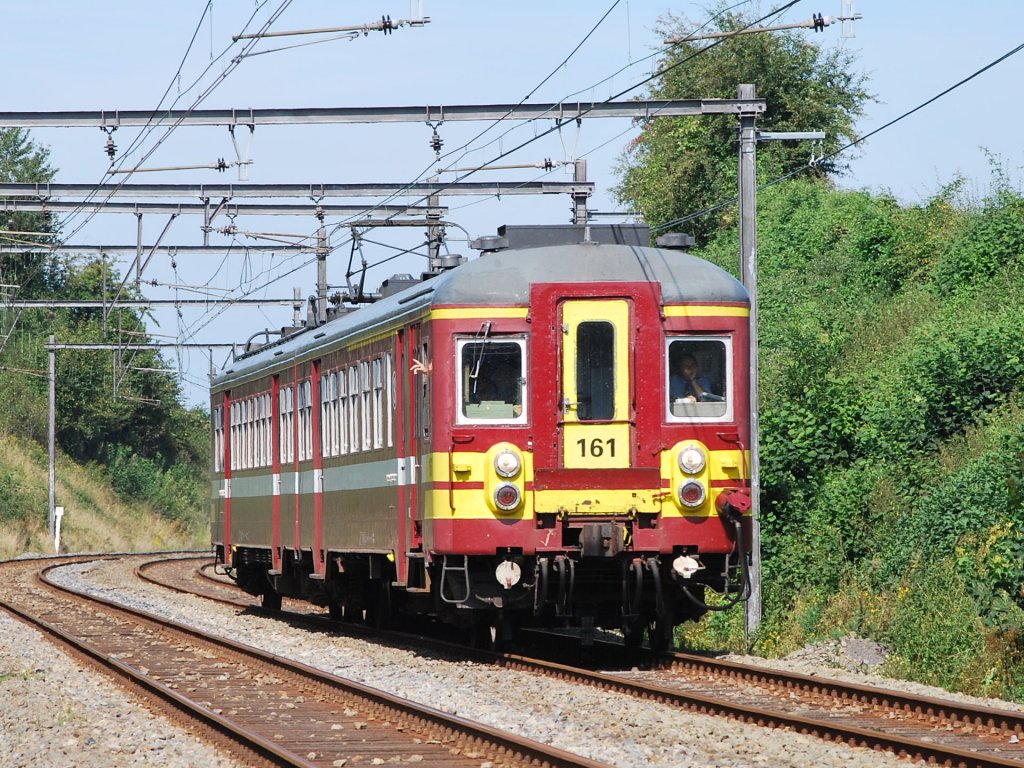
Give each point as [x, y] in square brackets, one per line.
[95, 520]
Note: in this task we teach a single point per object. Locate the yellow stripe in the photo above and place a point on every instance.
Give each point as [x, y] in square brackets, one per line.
[486, 313]
[705, 311]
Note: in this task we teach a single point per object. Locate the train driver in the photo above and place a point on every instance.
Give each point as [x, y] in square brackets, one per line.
[687, 383]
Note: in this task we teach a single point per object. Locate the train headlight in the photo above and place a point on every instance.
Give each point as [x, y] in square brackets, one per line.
[692, 493]
[507, 497]
[692, 460]
[507, 463]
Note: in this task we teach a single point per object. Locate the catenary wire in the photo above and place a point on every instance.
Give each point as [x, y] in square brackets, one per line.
[465, 146]
[146, 130]
[584, 112]
[785, 177]
[194, 329]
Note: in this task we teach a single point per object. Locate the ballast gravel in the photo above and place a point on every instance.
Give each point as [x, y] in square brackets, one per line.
[609, 727]
[55, 713]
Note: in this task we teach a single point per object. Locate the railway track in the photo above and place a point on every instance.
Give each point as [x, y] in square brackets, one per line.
[934, 730]
[269, 710]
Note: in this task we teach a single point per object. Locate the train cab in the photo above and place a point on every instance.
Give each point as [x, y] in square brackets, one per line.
[585, 469]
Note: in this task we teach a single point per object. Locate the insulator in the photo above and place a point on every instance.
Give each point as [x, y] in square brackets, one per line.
[319, 213]
[436, 142]
[111, 147]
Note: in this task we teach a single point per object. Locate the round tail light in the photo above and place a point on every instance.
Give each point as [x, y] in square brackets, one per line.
[691, 493]
[507, 497]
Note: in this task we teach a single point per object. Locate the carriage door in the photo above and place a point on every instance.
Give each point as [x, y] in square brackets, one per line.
[596, 398]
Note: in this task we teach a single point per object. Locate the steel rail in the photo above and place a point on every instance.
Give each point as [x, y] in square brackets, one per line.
[260, 748]
[825, 729]
[1007, 722]
[502, 742]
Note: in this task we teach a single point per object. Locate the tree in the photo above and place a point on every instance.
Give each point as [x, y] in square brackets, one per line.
[24, 161]
[680, 166]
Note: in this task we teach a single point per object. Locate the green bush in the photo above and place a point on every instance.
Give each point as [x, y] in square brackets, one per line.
[992, 241]
[892, 342]
[934, 632]
[176, 493]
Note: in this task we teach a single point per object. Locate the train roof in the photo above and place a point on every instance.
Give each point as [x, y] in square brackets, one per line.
[504, 278]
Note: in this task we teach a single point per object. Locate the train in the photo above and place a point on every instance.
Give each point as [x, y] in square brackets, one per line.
[554, 433]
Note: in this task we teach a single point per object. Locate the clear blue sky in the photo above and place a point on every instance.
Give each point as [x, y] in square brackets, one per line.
[111, 55]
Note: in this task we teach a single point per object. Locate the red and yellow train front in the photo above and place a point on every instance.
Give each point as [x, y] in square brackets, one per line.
[590, 454]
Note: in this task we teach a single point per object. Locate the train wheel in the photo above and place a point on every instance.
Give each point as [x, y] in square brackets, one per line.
[271, 601]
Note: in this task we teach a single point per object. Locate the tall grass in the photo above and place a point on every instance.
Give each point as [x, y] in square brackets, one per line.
[95, 519]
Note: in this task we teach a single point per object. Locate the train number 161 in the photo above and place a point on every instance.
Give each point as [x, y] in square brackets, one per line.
[596, 447]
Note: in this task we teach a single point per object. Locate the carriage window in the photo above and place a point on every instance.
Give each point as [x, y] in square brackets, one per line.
[423, 393]
[247, 433]
[595, 371]
[492, 384]
[234, 435]
[334, 446]
[377, 371]
[364, 403]
[699, 378]
[267, 431]
[353, 409]
[342, 415]
[218, 439]
[302, 421]
[389, 398]
[287, 424]
[326, 397]
[243, 434]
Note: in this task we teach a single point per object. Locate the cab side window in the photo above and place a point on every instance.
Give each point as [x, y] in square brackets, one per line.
[492, 383]
[699, 378]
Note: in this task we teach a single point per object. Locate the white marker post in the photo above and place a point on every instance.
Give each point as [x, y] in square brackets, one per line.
[58, 513]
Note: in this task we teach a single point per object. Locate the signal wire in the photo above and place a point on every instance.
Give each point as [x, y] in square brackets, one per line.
[146, 130]
[618, 95]
[234, 64]
[855, 142]
[591, 87]
[541, 135]
[193, 329]
[714, 17]
[91, 196]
